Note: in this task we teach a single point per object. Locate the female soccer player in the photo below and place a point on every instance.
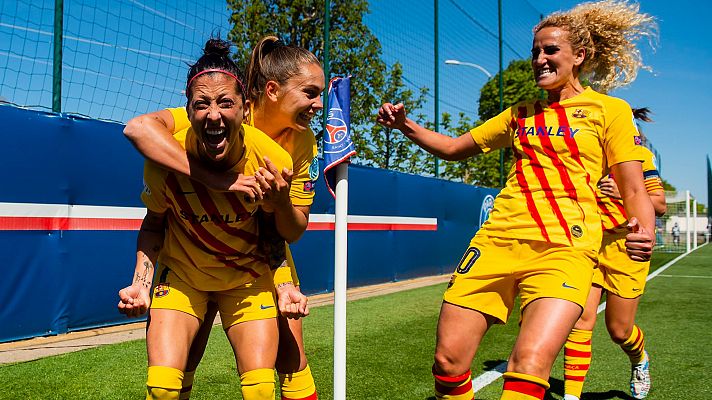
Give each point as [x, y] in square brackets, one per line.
[284, 87]
[623, 280]
[204, 242]
[541, 239]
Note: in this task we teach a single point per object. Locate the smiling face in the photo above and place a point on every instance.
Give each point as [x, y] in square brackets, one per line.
[297, 100]
[554, 62]
[216, 111]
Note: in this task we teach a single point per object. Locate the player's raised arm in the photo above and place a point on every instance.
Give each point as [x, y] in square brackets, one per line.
[152, 135]
[442, 146]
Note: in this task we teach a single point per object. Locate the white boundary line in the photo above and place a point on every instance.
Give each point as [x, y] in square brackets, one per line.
[488, 377]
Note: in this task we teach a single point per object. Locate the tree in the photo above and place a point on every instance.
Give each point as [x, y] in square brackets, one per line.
[518, 85]
[355, 51]
[392, 150]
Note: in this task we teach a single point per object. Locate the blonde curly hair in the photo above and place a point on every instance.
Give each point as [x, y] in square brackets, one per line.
[606, 30]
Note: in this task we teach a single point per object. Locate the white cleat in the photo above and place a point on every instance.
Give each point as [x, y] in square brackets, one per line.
[640, 378]
[570, 397]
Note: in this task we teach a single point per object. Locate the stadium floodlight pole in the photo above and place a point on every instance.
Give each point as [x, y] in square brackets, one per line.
[687, 221]
[57, 59]
[469, 64]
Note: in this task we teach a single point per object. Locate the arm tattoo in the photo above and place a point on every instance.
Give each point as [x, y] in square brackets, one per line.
[143, 278]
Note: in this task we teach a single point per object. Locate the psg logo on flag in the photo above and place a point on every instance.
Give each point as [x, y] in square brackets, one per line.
[338, 146]
[336, 127]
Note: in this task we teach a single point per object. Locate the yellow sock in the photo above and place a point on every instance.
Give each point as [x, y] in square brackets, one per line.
[453, 387]
[519, 386]
[258, 384]
[163, 383]
[188, 377]
[635, 345]
[577, 360]
[298, 385]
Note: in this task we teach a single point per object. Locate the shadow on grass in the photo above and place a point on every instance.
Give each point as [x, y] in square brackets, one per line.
[557, 387]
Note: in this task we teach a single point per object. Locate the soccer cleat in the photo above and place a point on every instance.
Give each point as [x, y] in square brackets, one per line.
[570, 397]
[640, 378]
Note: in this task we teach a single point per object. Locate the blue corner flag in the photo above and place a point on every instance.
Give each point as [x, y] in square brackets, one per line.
[338, 146]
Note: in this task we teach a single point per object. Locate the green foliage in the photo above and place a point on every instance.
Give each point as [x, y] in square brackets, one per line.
[389, 149]
[518, 85]
[668, 186]
[354, 50]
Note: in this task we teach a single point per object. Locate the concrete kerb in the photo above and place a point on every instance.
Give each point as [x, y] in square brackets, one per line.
[32, 349]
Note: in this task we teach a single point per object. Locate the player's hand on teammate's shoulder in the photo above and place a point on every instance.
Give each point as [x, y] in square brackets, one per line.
[292, 303]
[392, 116]
[134, 301]
[639, 242]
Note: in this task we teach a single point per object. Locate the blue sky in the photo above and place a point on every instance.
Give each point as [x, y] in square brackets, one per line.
[678, 91]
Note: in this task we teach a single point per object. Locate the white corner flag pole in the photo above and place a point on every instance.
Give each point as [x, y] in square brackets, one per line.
[340, 268]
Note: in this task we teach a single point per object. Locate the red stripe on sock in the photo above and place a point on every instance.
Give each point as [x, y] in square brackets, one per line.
[528, 388]
[453, 390]
[576, 353]
[574, 378]
[451, 379]
[312, 396]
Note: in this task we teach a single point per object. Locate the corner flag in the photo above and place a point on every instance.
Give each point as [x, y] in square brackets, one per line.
[338, 146]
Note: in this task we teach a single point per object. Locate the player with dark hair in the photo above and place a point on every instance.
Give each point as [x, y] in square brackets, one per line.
[622, 279]
[203, 244]
[284, 84]
[541, 239]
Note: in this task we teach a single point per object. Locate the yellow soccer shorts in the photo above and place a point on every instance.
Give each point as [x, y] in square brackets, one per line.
[493, 271]
[252, 301]
[616, 272]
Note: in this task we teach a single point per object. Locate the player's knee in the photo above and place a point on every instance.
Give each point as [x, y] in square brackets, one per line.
[526, 361]
[619, 333]
[447, 364]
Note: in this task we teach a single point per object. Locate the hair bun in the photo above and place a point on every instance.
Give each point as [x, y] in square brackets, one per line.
[217, 46]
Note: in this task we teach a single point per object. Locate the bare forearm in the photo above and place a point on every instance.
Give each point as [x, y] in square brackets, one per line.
[659, 203]
[152, 138]
[291, 222]
[148, 247]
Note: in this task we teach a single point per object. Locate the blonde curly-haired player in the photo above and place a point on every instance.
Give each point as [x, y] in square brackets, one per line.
[542, 237]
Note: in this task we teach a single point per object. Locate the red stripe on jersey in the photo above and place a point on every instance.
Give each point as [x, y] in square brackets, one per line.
[233, 264]
[200, 232]
[576, 353]
[539, 170]
[209, 206]
[548, 148]
[522, 180]
[606, 212]
[571, 142]
[524, 387]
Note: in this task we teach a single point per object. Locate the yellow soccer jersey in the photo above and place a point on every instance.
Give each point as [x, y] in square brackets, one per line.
[211, 239]
[560, 151]
[300, 146]
[612, 210]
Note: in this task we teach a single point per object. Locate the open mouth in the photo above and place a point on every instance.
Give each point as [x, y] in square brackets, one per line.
[304, 118]
[544, 73]
[214, 138]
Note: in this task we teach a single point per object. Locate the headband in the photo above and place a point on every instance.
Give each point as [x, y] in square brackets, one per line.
[205, 71]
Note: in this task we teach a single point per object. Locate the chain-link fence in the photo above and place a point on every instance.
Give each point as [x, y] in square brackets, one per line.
[113, 60]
